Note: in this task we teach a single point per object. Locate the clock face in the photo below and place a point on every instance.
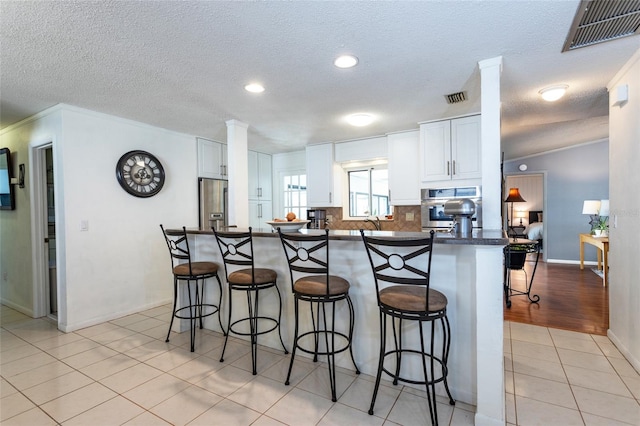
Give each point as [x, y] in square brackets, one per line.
[140, 174]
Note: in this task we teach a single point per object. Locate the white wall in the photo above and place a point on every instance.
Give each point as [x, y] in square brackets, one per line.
[624, 181]
[120, 265]
[15, 225]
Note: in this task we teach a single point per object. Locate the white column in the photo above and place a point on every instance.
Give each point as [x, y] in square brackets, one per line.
[238, 173]
[490, 70]
[490, 408]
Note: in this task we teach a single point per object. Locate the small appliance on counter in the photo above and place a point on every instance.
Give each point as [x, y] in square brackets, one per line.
[462, 210]
[317, 218]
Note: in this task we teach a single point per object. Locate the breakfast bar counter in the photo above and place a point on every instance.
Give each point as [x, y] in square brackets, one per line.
[467, 270]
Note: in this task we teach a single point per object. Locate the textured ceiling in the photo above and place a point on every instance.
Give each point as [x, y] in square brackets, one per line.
[183, 65]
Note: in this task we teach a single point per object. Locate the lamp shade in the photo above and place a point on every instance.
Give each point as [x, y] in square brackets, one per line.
[521, 213]
[604, 207]
[514, 196]
[591, 207]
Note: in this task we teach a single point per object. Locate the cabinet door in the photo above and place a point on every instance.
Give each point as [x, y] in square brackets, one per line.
[264, 176]
[210, 164]
[435, 151]
[259, 179]
[404, 168]
[320, 176]
[465, 148]
[253, 181]
[259, 213]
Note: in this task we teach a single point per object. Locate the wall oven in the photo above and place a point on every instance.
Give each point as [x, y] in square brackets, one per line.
[432, 206]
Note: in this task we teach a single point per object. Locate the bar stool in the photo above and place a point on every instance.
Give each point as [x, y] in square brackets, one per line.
[308, 257]
[237, 250]
[401, 271]
[184, 269]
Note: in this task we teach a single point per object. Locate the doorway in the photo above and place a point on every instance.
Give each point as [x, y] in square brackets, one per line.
[50, 239]
[44, 232]
[532, 189]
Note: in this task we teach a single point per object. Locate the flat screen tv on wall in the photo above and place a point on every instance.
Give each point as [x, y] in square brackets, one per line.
[7, 196]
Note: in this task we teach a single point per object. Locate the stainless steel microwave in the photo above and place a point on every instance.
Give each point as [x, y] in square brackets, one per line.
[432, 206]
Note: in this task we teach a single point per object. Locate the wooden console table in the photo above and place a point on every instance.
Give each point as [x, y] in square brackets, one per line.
[602, 244]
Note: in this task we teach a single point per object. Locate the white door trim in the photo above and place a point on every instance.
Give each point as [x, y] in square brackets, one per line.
[38, 198]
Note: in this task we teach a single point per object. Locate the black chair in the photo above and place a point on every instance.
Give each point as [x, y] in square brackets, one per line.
[237, 250]
[195, 274]
[401, 272]
[308, 258]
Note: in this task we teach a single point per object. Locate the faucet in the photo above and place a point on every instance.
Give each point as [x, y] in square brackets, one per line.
[376, 223]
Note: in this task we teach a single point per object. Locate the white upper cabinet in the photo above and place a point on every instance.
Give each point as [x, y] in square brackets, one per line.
[404, 168]
[212, 159]
[260, 179]
[450, 149]
[323, 177]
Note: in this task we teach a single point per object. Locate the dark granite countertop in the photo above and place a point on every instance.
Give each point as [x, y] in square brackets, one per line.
[478, 237]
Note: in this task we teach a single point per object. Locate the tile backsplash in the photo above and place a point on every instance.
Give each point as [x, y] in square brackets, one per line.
[398, 223]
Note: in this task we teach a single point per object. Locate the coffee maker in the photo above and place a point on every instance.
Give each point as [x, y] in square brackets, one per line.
[317, 218]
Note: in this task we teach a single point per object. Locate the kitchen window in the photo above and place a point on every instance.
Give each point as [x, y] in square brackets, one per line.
[368, 192]
[295, 194]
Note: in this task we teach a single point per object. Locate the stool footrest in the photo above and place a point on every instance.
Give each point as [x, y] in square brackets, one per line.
[178, 312]
[439, 379]
[257, 333]
[321, 340]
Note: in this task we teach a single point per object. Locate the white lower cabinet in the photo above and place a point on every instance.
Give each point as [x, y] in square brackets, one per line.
[260, 211]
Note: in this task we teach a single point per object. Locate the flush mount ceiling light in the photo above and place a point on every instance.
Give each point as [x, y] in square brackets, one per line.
[360, 119]
[346, 61]
[553, 93]
[254, 88]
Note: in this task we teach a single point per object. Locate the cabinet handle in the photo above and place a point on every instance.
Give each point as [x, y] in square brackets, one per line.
[260, 210]
[221, 170]
[259, 192]
[454, 167]
[330, 198]
[225, 169]
[448, 168]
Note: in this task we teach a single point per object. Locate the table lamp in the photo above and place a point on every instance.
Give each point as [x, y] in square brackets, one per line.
[521, 214]
[514, 197]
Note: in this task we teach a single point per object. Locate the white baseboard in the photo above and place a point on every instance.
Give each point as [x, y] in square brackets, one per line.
[114, 315]
[17, 307]
[635, 362]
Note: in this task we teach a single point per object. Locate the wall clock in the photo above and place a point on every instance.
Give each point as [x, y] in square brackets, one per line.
[140, 173]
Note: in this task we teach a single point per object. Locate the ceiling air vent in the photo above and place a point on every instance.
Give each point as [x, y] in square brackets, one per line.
[597, 21]
[454, 98]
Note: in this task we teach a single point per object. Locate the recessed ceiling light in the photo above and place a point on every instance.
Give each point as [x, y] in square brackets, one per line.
[360, 119]
[254, 88]
[346, 61]
[553, 93]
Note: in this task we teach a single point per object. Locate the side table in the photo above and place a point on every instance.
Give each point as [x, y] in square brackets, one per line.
[602, 244]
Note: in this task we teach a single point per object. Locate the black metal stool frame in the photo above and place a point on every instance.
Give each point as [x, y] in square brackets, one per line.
[394, 269]
[231, 246]
[178, 244]
[299, 258]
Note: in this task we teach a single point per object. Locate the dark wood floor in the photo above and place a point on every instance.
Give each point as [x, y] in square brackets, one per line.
[570, 299]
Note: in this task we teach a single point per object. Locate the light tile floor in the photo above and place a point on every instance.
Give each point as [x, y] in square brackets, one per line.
[123, 373]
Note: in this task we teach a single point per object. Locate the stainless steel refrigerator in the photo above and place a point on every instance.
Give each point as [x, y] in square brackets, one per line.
[212, 202]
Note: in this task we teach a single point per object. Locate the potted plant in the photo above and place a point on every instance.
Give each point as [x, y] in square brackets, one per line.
[601, 227]
[516, 255]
